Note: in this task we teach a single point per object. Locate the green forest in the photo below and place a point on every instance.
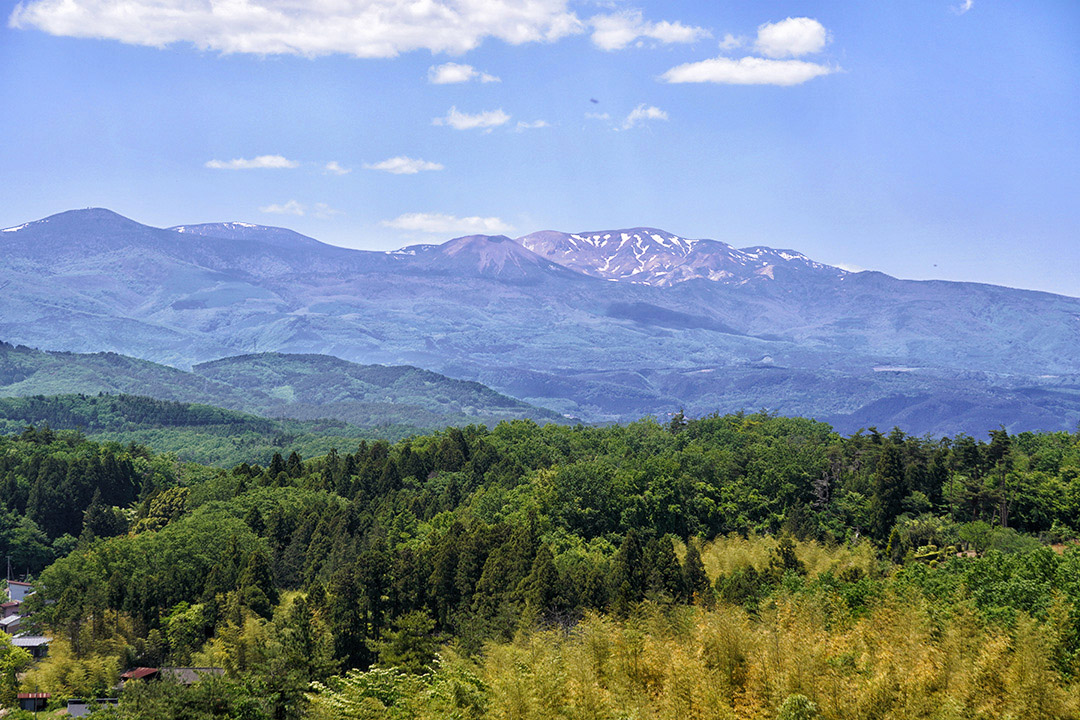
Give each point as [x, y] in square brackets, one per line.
[738, 566]
[194, 432]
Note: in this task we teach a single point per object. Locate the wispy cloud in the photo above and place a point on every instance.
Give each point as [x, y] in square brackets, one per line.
[463, 121]
[747, 71]
[438, 223]
[366, 29]
[262, 162]
[334, 168]
[964, 7]
[730, 42]
[619, 30]
[792, 37]
[643, 114]
[522, 126]
[451, 73]
[292, 207]
[402, 165]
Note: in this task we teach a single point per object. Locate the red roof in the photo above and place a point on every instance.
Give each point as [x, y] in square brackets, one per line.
[16, 582]
[10, 603]
[34, 696]
[139, 672]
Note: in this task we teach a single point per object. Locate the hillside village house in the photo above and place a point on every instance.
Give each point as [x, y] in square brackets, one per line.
[11, 620]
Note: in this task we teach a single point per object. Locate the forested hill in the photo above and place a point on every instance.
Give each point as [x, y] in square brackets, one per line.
[194, 432]
[745, 563]
[96, 413]
[302, 387]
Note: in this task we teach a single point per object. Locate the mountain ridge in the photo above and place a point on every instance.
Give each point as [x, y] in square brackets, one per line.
[785, 333]
[273, 385]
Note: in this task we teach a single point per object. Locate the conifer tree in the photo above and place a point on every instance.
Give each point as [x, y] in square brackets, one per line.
[664, 577]
[294, 467]
[696, 583]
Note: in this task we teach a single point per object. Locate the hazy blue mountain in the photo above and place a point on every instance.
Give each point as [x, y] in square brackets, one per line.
[303, 387]
[281, 237]
[569, 322]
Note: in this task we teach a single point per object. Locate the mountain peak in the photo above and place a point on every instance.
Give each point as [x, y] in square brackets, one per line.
[650, 256]
[92, 216]
[264, 234]
[493, 256]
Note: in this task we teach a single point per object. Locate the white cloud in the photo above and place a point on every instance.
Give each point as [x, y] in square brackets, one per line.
[439, 223]
[618, 30]
[334, 168]
[262, 162]
[791, 37]
[362, 28]
[643, 114]
[747, 71]
[451, 73]
[730, 42]
[964, 7]
[323, 211]
[290, 208]
[463, 121]
[534, 125]
[402, 165]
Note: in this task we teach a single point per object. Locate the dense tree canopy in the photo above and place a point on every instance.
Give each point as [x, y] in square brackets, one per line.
[376, 556]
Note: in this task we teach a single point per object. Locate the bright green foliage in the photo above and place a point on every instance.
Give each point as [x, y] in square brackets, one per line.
[374, 555]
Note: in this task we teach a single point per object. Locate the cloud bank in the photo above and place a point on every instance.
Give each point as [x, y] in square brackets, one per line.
[262, 162]
[402, 165]
[790, 38]
[643, 114]
[522, 126]
[618, 30]
[438, 223]
[747, 71]
[362, 28]
[463, 121]
[793, 37]
[292, 207]
[334, 168]
[452, 73]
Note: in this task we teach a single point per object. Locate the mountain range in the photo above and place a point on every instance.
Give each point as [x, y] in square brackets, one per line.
[271, 385]
[603, 325]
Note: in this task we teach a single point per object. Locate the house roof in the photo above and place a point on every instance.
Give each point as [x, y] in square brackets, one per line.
[10, 619]
[34, 696]
[16, 582]
[30, 640]
[139, 672]
[10, 603]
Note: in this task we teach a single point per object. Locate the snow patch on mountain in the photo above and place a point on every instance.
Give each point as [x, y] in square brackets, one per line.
[648, 256]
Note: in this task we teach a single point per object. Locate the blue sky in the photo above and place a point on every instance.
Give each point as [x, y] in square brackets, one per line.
[925, 138]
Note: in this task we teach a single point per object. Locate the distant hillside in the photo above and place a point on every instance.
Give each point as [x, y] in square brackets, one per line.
[195, 432]
[304, 387]
[123, 412]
